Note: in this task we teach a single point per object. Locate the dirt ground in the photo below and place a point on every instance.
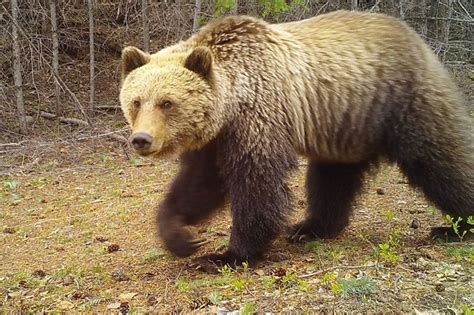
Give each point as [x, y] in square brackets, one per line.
[77, 235]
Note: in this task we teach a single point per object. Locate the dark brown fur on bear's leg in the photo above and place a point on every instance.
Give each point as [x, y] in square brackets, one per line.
[438, 160]
[195, 193]
[259, 211]
[449, 187]
[331, 189]
[260, 202]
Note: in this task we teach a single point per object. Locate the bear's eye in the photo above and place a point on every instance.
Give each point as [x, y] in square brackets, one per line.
[166, 105]
[136, 104]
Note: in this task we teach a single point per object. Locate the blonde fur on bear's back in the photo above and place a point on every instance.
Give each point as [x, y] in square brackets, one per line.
[329, 79]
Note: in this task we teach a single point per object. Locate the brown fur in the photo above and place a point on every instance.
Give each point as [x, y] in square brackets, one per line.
[343, 89]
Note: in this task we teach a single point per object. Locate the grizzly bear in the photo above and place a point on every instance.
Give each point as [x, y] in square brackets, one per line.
[242, 98]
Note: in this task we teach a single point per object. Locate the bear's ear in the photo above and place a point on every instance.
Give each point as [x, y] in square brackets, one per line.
[133, 58]
[200, 61]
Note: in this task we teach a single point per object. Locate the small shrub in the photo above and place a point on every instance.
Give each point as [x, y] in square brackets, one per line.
[388, 250]
[215, 298]
[152, 256]
[11, 185]
[183, 286]
[363, 286]
[248, 309]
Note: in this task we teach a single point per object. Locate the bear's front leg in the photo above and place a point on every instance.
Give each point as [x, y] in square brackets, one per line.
[260, 202]
[195, 193]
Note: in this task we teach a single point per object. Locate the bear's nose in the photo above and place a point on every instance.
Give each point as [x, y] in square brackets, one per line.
[141, 141]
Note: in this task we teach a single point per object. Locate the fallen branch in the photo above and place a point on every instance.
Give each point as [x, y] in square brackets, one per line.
[78, 122]
[107, 107]
[337, 267]
[13, 144]
[112, 135]
[65, 120]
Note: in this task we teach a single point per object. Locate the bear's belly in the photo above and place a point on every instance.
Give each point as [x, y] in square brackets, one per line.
[353, 149]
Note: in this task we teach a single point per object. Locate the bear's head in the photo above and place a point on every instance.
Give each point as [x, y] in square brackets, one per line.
[169, 100]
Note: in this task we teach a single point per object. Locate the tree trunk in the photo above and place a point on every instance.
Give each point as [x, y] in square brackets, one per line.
[447, 14]
[90, 5]
[397, 9]
[420, 9]
[146, 27]
[354, 5]
[432, 23]
[197, 12]
[54, 35]
[20, 104]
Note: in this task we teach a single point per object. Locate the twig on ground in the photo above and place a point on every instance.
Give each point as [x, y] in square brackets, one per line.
[65, 120]
[74, 121]
[338, 267]
[13, 144]
[107, 108]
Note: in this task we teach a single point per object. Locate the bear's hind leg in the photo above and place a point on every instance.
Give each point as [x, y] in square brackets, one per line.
[449, 185]
[434, 148]
[331, 189]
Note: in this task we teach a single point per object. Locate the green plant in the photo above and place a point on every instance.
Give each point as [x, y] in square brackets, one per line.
[470, 221]
[215, 298]
[467, 310]
[336, 288]
[137, 161]
[329, 281]
[248, 309]
[239, 284]
[389, 215]
[11, 185]
[276, 7]
[152, 256]
[120, 124]
[363, 286]
[269, 282]
[243, 280]
[388, 250]
[226, 275]
[466, 252]
[332, 252]
[224, 6]
[38, 181]
[222, 244]
[328, 278]
[105, 158]
[183, 285]
[455, 224]
[89, 305]
[98, 269]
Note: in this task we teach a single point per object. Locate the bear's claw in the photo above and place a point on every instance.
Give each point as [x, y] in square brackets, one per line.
[301, 233]
[213, 262]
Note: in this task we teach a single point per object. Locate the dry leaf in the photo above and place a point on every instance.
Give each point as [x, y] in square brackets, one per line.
[126, 297]
[113, 306]
[65, 305]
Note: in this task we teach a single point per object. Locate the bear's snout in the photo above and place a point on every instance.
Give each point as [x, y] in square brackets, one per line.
[141, 142]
